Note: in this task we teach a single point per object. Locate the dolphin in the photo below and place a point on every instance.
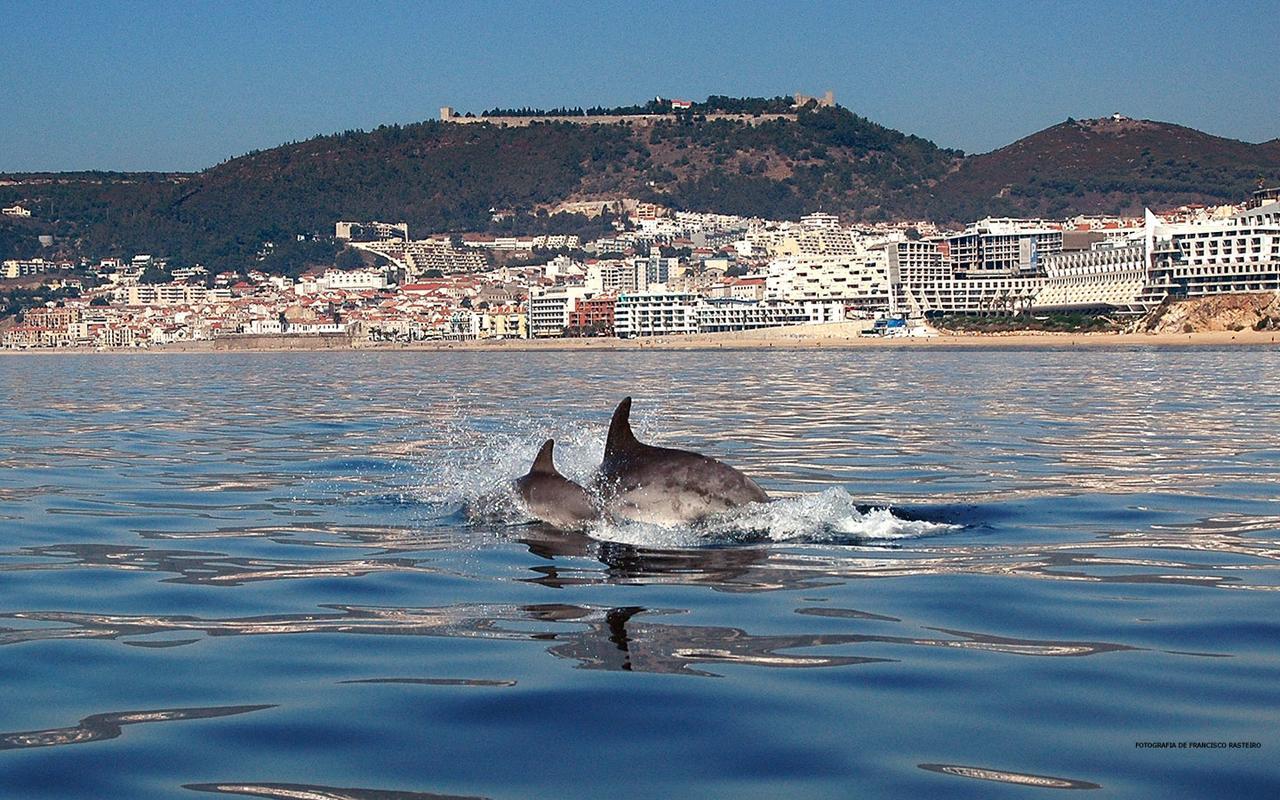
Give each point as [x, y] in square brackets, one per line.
[664, 486]
[551, 497]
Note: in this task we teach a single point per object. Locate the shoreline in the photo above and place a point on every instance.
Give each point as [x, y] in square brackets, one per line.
[837, 336]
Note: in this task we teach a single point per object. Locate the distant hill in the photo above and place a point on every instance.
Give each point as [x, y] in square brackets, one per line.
[1109, 165]
[441, 176]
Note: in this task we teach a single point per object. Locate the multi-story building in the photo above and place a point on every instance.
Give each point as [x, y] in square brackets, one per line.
[914, 262]
[422, 255]
[616, 276]
[718, 315]
[189, 273]
[59, 317]
[549, 310]
[503, 323]
[1238, 254]
[1105, 277]
[594, 316]
[22, 268]
[655, 313]
[819, 220]
[993, 247]
[860, 281]
[656, 269]
[371, 231]
[168, 294]
[356, 279]
[996, 295]
[737, 288]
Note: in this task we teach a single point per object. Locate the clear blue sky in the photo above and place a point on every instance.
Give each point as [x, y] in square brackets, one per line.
[183, 85]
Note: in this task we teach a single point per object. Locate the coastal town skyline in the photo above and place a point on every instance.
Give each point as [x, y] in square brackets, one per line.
[660, 272]
[910, 68]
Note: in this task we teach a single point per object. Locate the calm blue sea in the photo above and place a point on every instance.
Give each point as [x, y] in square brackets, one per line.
[989, 574]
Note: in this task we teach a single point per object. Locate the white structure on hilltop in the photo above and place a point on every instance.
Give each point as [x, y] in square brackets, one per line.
[371, 231]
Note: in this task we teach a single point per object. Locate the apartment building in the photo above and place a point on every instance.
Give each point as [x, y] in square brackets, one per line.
[655, 313]
[168, 294]
[1237, 254]
[594, 316]
[860, 280]
[549, 310]
[992, 247]
[354, 279]
[1105, 277]
[719, 315]
[22, 268]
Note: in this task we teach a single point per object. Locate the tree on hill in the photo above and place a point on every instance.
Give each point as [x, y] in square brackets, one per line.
[350, 258]
[154, 273]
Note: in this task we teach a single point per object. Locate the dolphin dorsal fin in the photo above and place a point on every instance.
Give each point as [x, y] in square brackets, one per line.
[621, 439]
[542, 464]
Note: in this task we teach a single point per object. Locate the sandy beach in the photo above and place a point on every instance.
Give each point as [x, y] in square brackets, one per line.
[831, 336]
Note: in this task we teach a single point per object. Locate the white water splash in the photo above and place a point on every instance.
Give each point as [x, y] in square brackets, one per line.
[831, 515]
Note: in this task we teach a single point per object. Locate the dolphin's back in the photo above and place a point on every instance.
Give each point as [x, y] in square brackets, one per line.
[665, 485]
[551, 497]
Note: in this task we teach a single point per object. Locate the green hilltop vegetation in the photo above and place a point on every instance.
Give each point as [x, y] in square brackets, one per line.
[442, 177]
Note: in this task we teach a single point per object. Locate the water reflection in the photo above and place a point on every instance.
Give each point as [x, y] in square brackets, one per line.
[306, 791]
[479, 682]
[108, 726]
[1004, 776]
[199, 567]
[624, 639]
[574, 559]
[764, 569]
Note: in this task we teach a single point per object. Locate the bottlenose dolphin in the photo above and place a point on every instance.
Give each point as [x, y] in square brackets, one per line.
[553, 498]
[665, 486]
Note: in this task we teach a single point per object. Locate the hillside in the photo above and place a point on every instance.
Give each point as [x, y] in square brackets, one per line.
[1108, 165]
[441, 177]
[446, 177]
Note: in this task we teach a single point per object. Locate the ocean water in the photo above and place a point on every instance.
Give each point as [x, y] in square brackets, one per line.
[987, 574]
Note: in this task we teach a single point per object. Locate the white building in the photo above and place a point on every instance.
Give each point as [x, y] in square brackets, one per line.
[992, 247]
[22, 268]
[371, 231]
[1003, 295]
[1238, 254]
[168, 294]
[549, 310]
[1110, 277]
[860, 280]
[264, 326]
[616, 276]
[355, 279]
[728, 314]
[655, 313]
